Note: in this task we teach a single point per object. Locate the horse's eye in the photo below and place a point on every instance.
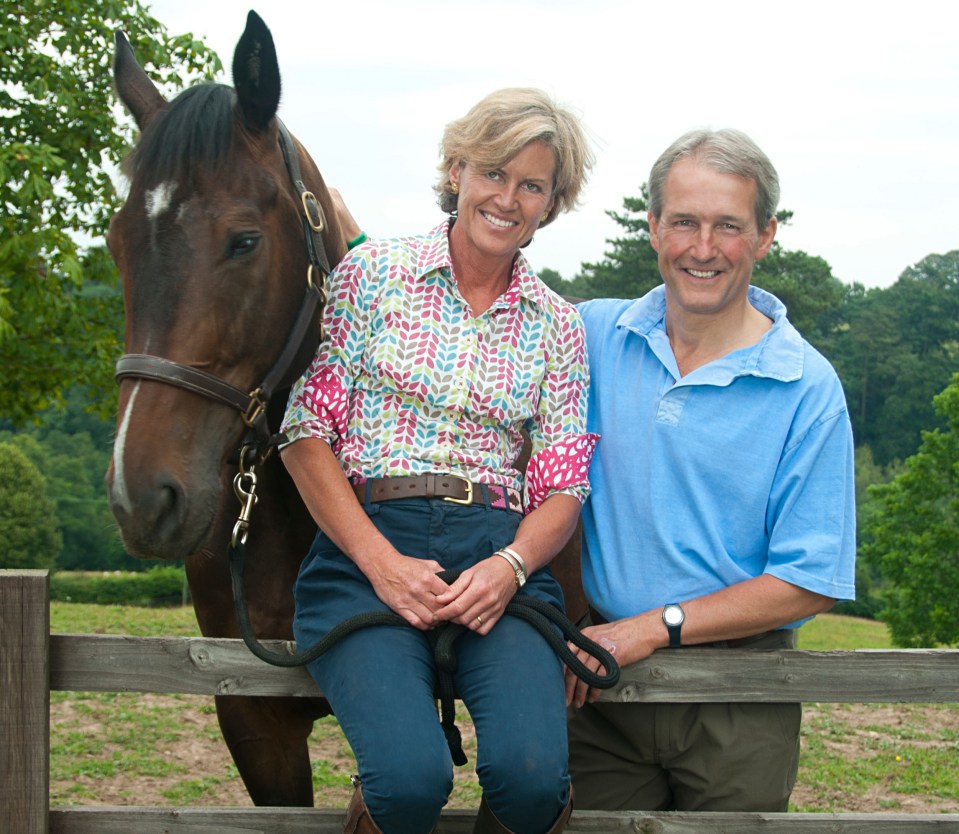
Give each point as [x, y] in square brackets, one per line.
[243, 244]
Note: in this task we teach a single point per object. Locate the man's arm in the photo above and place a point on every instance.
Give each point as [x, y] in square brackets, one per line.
[746, 608]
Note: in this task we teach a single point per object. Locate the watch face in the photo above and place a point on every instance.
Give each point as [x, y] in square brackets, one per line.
[673, 615]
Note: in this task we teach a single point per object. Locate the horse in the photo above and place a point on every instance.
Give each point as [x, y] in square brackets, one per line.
[222, 223]
[214, 261]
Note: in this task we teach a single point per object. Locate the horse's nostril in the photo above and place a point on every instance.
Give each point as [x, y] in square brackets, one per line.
[169, 496]
[152, 515]
[169, 505]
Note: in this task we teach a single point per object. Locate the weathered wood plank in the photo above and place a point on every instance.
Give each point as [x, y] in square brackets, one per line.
[24, 701]
[205, 666]
[111, 820]
[862, 676]
[195, 666]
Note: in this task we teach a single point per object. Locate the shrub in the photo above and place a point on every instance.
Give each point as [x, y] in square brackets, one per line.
[162, 585]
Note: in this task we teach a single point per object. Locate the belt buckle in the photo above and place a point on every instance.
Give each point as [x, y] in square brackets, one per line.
[469, 493]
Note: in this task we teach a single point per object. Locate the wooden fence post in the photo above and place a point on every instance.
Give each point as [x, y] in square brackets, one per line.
[24, 702]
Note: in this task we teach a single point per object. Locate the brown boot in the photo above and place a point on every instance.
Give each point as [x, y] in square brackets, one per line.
[487, 823]
[358, 819]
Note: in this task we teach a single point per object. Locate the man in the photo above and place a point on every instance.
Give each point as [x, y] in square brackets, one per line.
[722, 507]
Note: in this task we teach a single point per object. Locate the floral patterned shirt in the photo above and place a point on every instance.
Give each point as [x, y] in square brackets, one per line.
[408, 381]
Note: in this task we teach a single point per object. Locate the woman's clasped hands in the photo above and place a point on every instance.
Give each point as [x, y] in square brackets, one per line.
[414, 589]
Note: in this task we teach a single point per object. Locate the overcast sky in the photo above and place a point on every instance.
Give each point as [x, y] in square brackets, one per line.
[856, 103]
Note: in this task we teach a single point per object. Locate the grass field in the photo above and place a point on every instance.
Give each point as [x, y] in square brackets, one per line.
[125, 748]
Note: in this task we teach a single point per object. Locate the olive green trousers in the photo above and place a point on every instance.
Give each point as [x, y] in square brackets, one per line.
[687, 757]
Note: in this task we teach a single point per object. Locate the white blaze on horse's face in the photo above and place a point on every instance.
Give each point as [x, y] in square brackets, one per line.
[119, 487]
[158, 199]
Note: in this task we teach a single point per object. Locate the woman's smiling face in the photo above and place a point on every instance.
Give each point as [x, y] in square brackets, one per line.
[499, 210]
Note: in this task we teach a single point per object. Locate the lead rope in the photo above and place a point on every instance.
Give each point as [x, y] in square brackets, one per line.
[552, 624]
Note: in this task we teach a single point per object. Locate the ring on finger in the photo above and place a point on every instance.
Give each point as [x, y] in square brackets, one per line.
[479, 619]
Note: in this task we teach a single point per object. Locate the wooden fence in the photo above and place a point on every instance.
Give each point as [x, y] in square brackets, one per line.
[33, 662]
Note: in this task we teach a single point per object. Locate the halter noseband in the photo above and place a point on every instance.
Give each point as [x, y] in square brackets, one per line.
[252, 405]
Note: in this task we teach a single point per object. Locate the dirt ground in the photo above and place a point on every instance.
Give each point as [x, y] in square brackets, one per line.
[208, 776]
[204, 762]
[865, 729]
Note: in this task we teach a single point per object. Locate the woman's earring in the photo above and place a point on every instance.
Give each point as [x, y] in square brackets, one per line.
[454, 188]
[543, 218]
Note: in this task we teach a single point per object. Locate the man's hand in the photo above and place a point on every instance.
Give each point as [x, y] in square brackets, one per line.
[626, 640]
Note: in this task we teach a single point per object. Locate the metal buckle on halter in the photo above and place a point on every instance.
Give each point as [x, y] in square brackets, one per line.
[255, 409]
[469, 493]
[309, 200]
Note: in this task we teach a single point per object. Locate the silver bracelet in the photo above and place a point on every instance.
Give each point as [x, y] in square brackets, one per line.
[516, 563]
[518, 558]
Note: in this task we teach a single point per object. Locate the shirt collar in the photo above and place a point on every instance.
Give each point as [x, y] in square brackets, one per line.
[778, 355]
[435, 256]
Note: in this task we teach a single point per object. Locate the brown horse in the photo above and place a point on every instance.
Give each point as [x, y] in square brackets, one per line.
[215, 258]
[215, 247]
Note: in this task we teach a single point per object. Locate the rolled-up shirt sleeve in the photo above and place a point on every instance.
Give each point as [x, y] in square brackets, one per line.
[318, 406]
[561, 447]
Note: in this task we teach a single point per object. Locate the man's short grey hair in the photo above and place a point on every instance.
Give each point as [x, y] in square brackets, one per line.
[727, 151]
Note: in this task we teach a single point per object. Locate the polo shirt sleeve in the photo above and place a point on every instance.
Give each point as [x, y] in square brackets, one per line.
[318, 406]
[811, 515]
[561, 447]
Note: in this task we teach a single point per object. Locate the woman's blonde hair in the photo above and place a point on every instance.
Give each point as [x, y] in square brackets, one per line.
[500, 126]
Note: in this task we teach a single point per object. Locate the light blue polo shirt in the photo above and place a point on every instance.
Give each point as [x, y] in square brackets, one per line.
[743, 467]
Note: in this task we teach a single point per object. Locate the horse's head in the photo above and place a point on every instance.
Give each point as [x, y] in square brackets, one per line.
[214, 254]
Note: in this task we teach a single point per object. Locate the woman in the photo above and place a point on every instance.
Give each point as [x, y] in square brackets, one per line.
[404, 435]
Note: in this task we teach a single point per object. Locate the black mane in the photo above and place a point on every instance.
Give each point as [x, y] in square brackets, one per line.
[193, 131]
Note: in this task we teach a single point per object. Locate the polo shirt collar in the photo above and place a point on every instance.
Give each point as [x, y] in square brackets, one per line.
[435, 257]
[778, 355]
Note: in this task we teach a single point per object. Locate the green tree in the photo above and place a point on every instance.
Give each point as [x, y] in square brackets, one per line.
[630, 267]
[71, 448]
[553, 280]
[895, 348]
[29, 537]
[60, 140]
[869, 581]
[73, 466]
[913, 536]
[804, 283]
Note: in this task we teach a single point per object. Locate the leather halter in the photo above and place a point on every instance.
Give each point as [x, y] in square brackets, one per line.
[252, 405]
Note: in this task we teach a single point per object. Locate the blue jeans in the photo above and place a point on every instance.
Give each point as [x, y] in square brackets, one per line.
[380, 681]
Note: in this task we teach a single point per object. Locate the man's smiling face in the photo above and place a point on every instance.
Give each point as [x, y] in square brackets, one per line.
[707, 238]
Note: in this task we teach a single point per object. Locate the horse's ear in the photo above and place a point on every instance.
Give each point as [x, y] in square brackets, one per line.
[256, 74]
[137, 92]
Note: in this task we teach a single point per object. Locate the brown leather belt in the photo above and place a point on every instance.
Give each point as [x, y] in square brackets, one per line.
[448, 487]
[735, 643]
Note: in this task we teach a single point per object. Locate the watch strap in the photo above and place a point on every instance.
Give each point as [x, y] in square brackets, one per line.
[674, 630]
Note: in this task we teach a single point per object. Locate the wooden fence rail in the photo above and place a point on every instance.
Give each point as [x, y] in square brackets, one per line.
[35, 662]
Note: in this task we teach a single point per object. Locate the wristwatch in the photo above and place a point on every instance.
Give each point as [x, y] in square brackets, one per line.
[673, 616]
